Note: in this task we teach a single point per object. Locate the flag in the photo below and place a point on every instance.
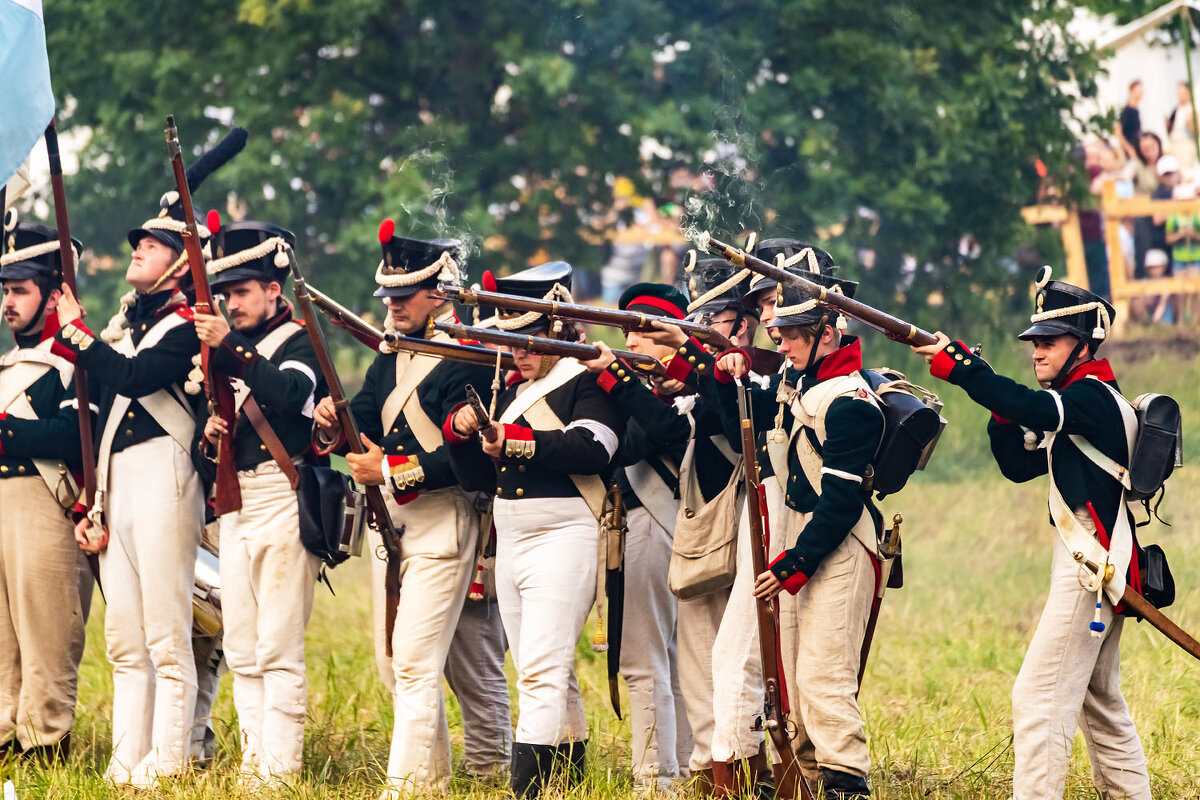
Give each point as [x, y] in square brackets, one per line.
[25, 96]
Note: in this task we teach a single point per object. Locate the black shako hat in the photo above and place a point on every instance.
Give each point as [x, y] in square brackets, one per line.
[776, 251]
[549, 281]
[31, 250]
[248, 250]
[168, 226]
[411, 265]
[1060, 308]
[793, 306]
[714, 285]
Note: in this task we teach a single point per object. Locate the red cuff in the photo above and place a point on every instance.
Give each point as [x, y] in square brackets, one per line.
[448, 432]
[518, 432]
[606, 380]
[406, 498]
[794, 582]
[396, 460]
[325, 450]
[1001, 420]
[721, 375]
[678, 368]
[944, 362]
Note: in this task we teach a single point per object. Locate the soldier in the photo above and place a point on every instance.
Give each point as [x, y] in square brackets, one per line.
[267, 575]
[149, 498]
[41, 612]
[832, 427]
[1070, 429]
[555, 435]
[648, 459]
[399, 408]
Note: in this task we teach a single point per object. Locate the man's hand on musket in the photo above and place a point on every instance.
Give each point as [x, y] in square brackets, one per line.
[767, 586]
[69, 309]
[600, 362]
[734, 364]
[214, 429]
[367, 468]
[667, 334]
[930, 350]
[494, 448]
[466, 421]
[81, 537]
[211, 328]
[325, 415]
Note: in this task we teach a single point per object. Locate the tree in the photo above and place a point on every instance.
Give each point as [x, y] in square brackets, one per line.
[894, 126]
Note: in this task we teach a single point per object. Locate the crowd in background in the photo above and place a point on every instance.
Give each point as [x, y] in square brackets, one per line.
[1156, 160]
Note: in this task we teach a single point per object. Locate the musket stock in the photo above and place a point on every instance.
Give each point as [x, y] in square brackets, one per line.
[577, 312]
[227, 493]
[893, 328]
[543, 345]
[372, 337]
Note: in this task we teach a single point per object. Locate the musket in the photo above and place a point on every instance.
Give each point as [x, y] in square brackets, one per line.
[576, 312]
[372, 337]
[789, 781]
[546, 346]
[82, 394]
[227, 494]
[894, 328]
[381, 520]
[1142, 607]
[481, 414]
[889, 549]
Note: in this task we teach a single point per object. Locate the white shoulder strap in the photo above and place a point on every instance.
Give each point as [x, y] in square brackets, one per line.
[559, 375]
[1116, 471]
[591, 488]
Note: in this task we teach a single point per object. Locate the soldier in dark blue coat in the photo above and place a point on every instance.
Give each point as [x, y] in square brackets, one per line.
[1068, 429]
[556, 434]
[399, 410]
[41, 603]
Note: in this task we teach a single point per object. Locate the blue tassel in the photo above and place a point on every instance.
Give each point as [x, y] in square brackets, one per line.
[1098, 627]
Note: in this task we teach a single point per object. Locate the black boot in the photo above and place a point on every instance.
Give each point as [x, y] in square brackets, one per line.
[531, 768]
[843, 786]
[48, 754]
[572, 755]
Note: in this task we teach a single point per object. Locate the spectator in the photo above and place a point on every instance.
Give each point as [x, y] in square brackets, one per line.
[1145, 172]
[1183, 233]
[1181, 129]
[1168, 178]
[1160, 307]
[1130, 129]
[1091, 227]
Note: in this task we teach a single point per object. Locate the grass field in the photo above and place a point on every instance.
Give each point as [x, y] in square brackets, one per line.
[936, 694]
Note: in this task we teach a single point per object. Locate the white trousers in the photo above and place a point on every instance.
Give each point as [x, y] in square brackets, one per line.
[41, 619]
[1070, 679]
[738, 689]
[649, 662]
[267, 580]
[475, 672]
[546, 561]
[699, 618]
[821, 631]
[437, 552]
[155, 516]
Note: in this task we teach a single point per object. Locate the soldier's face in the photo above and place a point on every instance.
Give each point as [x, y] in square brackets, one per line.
[794, 345]
[21, 301]
[766, 313]
[1050, 353]
[411, 313]
[639, 342]
[251, 302]
[529, 364]
[151, 258]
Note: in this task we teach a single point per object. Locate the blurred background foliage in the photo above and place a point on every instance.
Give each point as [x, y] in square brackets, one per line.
[902, 136]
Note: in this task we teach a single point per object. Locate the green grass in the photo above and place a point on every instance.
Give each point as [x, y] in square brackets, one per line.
[937, 693]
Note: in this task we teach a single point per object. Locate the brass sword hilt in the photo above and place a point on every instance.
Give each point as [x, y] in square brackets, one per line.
[891, 541]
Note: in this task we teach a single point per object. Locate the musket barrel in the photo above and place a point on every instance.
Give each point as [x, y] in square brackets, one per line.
[547, 346]
[894, 328]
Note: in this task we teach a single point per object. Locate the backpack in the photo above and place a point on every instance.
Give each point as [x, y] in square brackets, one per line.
[912, 425]
[332, 514]
[1158, 447]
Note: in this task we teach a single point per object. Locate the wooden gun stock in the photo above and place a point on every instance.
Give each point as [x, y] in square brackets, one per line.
[485, 421]
[893, 328]
[227, 494]
[381, 520]
[577, 312]
[543, 345]
[789, 782]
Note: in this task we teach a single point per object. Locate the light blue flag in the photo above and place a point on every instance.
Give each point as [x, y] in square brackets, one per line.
[26, 101]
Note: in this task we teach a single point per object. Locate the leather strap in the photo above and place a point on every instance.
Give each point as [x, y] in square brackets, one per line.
[274, 446]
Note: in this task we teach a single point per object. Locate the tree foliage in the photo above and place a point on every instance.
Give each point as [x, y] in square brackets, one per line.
[891, 126]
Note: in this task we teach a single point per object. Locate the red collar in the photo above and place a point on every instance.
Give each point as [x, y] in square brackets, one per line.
[51, 327]
[1096, 368]
[846, 360]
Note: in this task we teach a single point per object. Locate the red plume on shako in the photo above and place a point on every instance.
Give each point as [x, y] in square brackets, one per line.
[213, 221]
[387, 229]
